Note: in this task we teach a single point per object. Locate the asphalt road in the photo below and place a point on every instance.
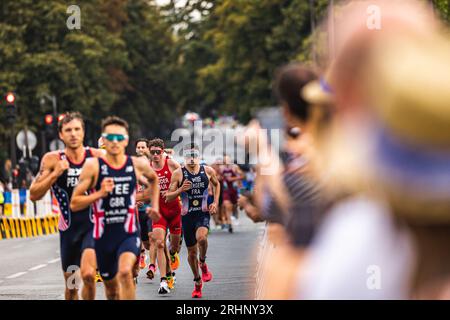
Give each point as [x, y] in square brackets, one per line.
[30, 269]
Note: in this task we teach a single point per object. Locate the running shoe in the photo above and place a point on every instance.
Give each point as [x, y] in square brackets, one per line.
[98, 277]
[206, 274]
[142, 263]
[151, 272]
[230, 229]
[163, 288]
[174, 261]
[171, 282]
[197, 293]
[174, 277]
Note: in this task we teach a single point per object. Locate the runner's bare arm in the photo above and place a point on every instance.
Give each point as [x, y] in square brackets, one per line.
[98, 152]
[147, 176]
[174, 191]
[216, 187]
[143, 195]
[173, 165]
[46, 177]
[88, 174]
[239, 174]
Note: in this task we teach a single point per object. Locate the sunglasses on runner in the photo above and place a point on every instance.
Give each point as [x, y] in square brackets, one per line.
[191, 154]
[155, 152]
[114, 137]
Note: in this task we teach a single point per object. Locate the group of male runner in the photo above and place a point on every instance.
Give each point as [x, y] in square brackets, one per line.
[113, 206]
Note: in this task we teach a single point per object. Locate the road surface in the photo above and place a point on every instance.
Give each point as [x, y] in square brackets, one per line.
[31, 268]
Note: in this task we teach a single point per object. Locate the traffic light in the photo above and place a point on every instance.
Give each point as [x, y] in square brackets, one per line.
[10, 100]
[49, 119]
[49, 126]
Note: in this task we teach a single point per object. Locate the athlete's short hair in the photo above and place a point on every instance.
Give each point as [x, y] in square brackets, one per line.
[191, 146]
[113, 120]
[159, 143]
[142, 140]
[68, 117]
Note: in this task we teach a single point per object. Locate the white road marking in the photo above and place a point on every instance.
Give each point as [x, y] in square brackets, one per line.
[16, 275]
[37, 267]
[18, 246]
[54, 260]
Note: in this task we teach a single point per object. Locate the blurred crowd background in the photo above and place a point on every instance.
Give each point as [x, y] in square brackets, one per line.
[360, 206]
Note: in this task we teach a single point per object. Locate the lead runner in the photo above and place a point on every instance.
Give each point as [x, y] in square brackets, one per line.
[191, 182]
[113, 181]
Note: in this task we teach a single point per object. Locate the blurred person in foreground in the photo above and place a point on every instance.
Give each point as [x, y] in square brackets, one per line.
[292, 221]
[389, 161]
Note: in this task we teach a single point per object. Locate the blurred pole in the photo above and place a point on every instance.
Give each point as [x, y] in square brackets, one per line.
[52, 98]
[13, 147]
[43, 143]
[27, 148]
[55, 115]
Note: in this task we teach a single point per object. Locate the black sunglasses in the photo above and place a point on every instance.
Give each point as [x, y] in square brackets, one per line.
[155, 152]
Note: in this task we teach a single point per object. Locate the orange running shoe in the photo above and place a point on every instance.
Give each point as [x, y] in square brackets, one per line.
[174, 261]
[142, 263]
[98, 277]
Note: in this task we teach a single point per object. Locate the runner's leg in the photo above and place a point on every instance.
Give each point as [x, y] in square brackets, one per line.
[112, 291]
[193, 260]
[159, 235]
[71, 292]
[88, 272]
[127, 288]
[202, 240]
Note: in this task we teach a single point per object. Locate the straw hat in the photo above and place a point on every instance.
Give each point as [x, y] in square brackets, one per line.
[409, 87]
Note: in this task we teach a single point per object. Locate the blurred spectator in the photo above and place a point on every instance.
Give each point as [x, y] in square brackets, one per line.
[293, 223]
[389, 160]
[7, 173]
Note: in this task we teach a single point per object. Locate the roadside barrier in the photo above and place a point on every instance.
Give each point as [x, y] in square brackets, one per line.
[265, 251]
[23, 218]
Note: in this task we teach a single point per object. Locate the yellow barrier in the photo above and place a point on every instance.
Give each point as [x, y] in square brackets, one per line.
[27, 227]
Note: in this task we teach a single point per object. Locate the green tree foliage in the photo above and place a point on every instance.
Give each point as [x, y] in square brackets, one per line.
[148, 63]
[118, 63]
[232, 53]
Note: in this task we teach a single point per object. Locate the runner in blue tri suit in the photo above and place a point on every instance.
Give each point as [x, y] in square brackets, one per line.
[60, 171]
[113, 181]
[191, 182]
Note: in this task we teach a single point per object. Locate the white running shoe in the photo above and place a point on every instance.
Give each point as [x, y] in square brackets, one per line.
[163, 288]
